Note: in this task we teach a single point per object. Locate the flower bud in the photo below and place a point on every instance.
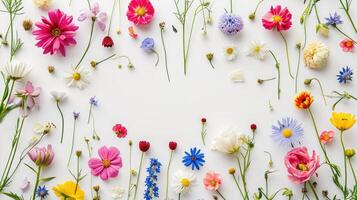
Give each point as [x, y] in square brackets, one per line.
[172, 145]
[307, 81]
[78, 153]
[51, 69]
[350, 153]
[27, 24]
[231, 170]
[42, 156]
[93, 64]
[96, 188]
[252, 16]
[209, 56]
[144, 146]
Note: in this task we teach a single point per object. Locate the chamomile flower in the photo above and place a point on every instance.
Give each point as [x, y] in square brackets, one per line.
[78, 78]
[230, 53]
[287, 132]
[257, 49]
[182, 181]
[43, 128]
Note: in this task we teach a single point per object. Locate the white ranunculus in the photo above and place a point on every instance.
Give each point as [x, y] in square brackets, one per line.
[316, 55]
[16, 70]
[229, 141]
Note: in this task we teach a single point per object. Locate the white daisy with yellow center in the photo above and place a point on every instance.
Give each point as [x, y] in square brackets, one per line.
[182, 181]
[257, 49]
[77, 78]
[230, 53]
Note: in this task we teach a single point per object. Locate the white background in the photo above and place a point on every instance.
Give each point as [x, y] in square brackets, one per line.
[153, 109]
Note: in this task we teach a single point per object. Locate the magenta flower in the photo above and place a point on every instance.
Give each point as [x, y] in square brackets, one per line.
[300, 165]
[28, 97]
[94, 14]
[55, 33]
[108, 165]
[42, 156]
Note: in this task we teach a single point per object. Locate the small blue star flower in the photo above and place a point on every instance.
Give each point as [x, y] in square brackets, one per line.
[195, 158]
[148, 44]
[345, 75]
[333, 20]
[42, 192]
[93, 101]
[287, 132]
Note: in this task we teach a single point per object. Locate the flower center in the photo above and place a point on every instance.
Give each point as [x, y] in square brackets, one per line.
[213, 183]
[287, 132]
[56, 32]
[349, 44]
[141, 11]
[257, 49]
[229, 50]
[76, 76]
[106, 163]
[277, 18]
[302, 167]
[193, 158]
[185, 182]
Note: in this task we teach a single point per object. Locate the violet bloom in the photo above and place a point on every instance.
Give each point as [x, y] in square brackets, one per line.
[95, 14]
[42, 156]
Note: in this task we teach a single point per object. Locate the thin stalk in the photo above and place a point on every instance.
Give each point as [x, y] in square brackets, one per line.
[138, 177]
[220, 194]
[165, 53]
[11, 35]
[105, 59]
[88, 45]
[316, 12]
[184, 36]
[72, 144]
[297, 70]
[231, 6]
[111, 16]
[242, 174]
[257, 6]
[9, 95]
[157, 57]
[62, 120]
[313, 190]
[277, 66]
[37, 182]
[78, 176]
[344, 34]
[91, 176]
[237, 184]
[130, 175]
[287, 53]
[167, 176]
[345, 164]
[352, 170]
[346, 9]
[90, 113]
[321, 89]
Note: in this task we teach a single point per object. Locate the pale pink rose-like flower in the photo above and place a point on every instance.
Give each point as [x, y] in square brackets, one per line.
[94, 13]
[42, 156]
[212, 181]
[108, 165]
[300, 165]
[327, 136]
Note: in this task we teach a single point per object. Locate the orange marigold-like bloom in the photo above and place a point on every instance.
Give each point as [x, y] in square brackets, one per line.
[303, 100]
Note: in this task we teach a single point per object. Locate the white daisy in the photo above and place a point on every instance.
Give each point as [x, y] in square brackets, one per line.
[43, 128]
[78, 78]
[182, 181]
[236, 75]
[58, 96]
[230, 53]
[118, 192]
[257, 49]
[16, 70]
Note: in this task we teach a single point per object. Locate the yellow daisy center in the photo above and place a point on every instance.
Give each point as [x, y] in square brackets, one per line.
[185, 182]
[303, 167]
[76, 76]
[277, 18]
[257, 49]
[106, 163]
[287, 132]
[140, 11]
[229, 50]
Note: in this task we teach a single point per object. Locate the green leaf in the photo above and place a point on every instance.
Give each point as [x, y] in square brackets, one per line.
[47, 179]
[31, 168]
[13, 196]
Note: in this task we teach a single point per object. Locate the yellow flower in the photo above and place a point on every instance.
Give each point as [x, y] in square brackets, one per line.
[342, 121]
[67, 191]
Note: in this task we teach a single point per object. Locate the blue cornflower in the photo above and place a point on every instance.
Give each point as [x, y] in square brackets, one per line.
[287, 132]
[345, 75]
[333, 20]
[230, 24]
[195, 158]
[152, 189]
[93, 101]
[42, 192]
[148, 44]
[76, 115]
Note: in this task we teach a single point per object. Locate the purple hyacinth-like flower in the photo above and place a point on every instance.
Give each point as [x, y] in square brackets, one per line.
[230, 24]
[333, 20]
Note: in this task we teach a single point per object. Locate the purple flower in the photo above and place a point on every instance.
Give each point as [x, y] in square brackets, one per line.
[42, 156]
[333, 20]
[76, 115]
[230, 24]
[345, 75]
[148, 44]
[95, 14]
[93, 101]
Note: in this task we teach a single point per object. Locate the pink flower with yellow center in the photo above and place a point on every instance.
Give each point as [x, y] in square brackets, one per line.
[140, 12]
[277, 18]
[212, 181]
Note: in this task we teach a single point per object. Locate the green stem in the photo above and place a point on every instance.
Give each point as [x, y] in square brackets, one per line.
[130, 175]
[157, 57]
[203, 133]
[345, 164]
[297, 70]
[88, 45]
[231, 6]
[11, 36]
[90, 113]
[237, 184]
[220, 194]
[62, 120]
[167, 176]
[138, 177]
[316, 12]
[72, 144]
[105, 59]
[111, 17]
[165, 53]
[243, 176]
[346, 9]
[37, 182]
[321, 89]
[344, 34]
[287, 53]
[313, 190]
[78, 176]
[257, 6]
[352, 170]
[184, 36]
[277, 66]
[9, 95]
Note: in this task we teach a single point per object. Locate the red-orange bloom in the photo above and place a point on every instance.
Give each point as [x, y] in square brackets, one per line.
[303, 100]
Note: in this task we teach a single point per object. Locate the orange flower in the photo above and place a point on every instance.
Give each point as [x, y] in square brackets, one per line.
[303, 100]
[327, 136]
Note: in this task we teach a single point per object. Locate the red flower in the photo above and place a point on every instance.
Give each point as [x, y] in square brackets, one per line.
[120, 130]
[347, 45]
[140, 12]
[253, 127]
[144, 146]
[107, 41]
[277, 18]
[173, 145]
[203, 120]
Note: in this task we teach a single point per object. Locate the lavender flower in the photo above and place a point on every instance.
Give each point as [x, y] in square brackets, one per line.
[76, 115]
[93, 101]
[333, 20]
[230, 24]
[148, 44]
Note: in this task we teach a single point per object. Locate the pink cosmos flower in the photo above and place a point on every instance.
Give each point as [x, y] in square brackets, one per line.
[212, 181]
[108, 165]
[347, 45]
[94, 14]
[277, 18]
[42, 156]
[28, 97]
[300, 165]
[55, 33]
[140, 12]
[327, 136]
[120, 130]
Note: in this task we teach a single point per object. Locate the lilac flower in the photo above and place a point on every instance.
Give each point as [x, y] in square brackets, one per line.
[230, 24]
[148, 44]
[93, 101]
[345, 75]
[333, 20]
[95, 14]
[76, 115]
